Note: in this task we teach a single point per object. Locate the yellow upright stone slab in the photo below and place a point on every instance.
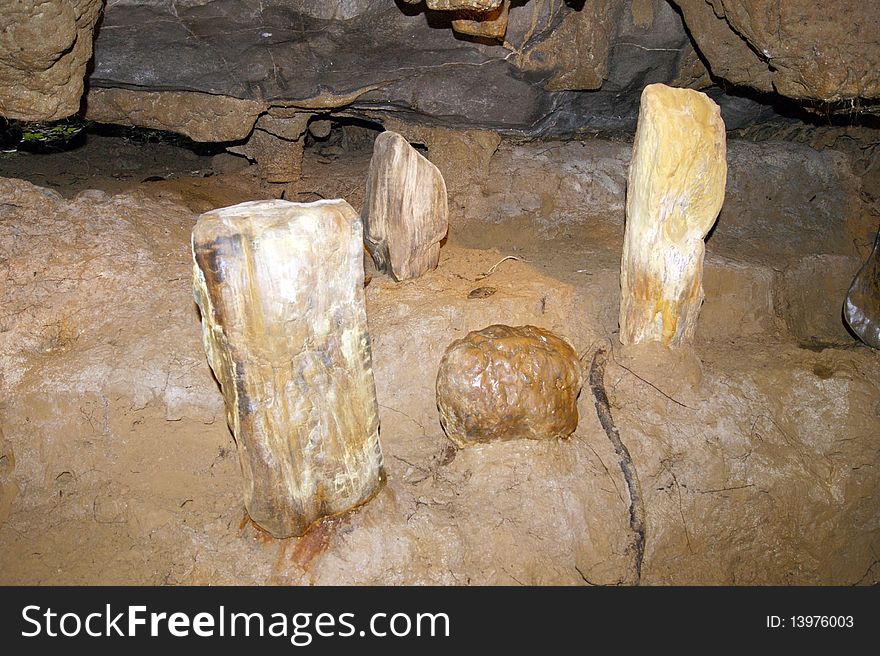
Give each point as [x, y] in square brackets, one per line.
[675, 192]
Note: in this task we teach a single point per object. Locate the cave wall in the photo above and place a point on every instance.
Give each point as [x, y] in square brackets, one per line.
[801, 49]
[208, 68]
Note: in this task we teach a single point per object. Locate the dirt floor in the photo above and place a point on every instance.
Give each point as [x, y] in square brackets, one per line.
[757, 449]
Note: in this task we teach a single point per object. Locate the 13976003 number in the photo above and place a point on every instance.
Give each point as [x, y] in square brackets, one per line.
[821, 621]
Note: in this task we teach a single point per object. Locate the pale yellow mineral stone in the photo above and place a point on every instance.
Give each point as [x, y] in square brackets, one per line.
[675, 192]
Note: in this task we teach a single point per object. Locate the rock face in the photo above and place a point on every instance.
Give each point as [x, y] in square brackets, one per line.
[511, 65]
[276, 145]
[489, 24]
[287, 56]
[809, 295]
[675, 191]
[44, 48]
[798, 48]
[576, 51]
[399, 60]
[199, 116]
[280, 288]
[862, 306]
[405, 209]
[504, 383]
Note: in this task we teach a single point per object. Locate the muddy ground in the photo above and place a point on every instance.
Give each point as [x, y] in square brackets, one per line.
[757, 450]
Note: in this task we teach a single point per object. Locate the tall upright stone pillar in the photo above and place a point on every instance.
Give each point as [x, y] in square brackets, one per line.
[280, 288]
[675, 192]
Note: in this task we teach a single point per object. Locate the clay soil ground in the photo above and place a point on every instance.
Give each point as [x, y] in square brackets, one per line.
[757, 449]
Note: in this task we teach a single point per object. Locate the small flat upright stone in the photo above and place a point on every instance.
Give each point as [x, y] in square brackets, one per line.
[280, 289]
[508, 382]
[405, 209]
[674, 194]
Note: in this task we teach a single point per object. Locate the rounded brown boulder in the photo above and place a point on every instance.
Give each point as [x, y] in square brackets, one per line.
[506, 382]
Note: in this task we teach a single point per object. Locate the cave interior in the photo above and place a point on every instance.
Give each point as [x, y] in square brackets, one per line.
[756, 443]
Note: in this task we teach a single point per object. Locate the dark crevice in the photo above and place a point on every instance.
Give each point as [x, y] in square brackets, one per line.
[345, 134]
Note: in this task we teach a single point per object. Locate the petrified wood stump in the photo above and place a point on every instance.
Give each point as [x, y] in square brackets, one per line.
[675, 192]
[280, 288]
[862, 307]
[405, 209]
[506, 382]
